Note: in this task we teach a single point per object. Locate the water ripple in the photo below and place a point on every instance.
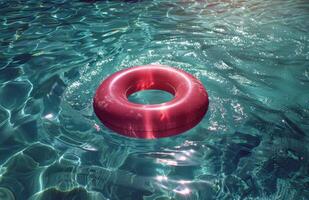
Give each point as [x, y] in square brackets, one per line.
[251, 56]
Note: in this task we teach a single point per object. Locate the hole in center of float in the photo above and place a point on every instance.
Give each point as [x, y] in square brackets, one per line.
[150, 97]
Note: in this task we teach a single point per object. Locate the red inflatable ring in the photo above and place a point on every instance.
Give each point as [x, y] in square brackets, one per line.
[182, 113]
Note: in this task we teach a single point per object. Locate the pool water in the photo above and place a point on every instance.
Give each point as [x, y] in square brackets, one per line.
[252, 57]
[149, 97]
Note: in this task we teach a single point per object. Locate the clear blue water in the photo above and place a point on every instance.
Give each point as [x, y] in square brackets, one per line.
[252, 56]
[150, 97]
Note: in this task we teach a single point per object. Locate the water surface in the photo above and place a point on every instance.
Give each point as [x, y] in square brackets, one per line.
[252, 56]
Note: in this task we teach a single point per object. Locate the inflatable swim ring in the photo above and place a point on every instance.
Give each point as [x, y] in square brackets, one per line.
[183, 112]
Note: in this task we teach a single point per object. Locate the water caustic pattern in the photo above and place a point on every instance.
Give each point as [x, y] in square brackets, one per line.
[252, 56]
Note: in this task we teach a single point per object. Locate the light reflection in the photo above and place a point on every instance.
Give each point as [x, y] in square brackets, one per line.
[177, 186]
[178, 157]
[96, 127]
[89, 147]
[2, 170]
[184, 182]
[167, 162]
[182, 191]
[161, 178]
[49, 116]
[70, 159]
[188, 152]
[182, 158]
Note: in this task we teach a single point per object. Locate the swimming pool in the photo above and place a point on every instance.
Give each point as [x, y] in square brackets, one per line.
[252, 57]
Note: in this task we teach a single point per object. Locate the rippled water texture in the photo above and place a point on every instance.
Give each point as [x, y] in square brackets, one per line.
[252, 56]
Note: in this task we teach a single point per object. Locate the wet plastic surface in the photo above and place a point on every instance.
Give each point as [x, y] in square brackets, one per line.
[184, 111]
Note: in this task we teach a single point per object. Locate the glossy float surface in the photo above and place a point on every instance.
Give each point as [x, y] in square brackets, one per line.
[188, 107]
[251, 55]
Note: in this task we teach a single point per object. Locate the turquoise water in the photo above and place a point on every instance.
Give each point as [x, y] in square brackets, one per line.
[150, 97]
[252, 56]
